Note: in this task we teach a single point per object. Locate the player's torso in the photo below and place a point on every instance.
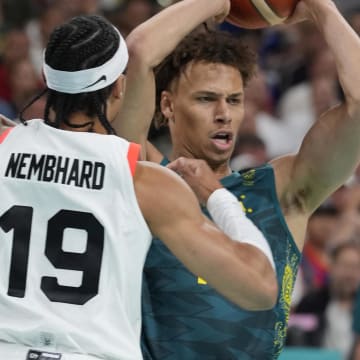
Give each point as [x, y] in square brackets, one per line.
[73, 243]
[183, 318]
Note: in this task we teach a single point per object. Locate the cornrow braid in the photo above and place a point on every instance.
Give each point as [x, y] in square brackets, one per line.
[84, 42]
[37, 97]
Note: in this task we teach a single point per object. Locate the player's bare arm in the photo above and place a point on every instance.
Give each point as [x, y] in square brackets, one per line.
[331, 149]
[239, 271]
[148, 44]
[5, 123]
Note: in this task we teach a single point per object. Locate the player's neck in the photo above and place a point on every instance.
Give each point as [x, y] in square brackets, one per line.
[220, 169]
[82, 123]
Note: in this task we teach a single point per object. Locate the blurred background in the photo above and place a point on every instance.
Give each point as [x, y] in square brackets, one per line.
[296, 81]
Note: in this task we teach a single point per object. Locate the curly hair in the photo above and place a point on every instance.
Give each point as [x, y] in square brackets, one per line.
[209, 46]
[82, 43]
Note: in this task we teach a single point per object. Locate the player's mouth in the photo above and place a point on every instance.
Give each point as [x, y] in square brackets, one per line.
[223, 140]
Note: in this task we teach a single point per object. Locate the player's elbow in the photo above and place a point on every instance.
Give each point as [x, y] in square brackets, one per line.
[136, 45]
[262, 292]
[268, 297]
[139, 53]
[265, 289]
[263, 280]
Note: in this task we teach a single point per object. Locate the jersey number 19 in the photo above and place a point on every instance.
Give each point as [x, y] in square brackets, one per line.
[19, 219]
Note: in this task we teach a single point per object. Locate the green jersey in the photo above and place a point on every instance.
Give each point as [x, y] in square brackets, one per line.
[184, 318]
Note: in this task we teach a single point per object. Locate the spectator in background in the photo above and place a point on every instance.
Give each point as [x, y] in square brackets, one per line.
[131, 13]
[250, 151]
[38, 31]
[332, 304]
[15, 48]
[25, 83]
[301, 105]
[313, 271]
[260, 118]
[347, 5]
[354, 19]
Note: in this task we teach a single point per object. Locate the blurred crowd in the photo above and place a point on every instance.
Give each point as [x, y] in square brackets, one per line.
[296, 81]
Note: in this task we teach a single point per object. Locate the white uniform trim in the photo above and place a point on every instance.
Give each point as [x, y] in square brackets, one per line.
[227, 213]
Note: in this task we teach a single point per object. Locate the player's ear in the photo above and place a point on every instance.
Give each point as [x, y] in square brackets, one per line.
[118, 89]
[166, 105]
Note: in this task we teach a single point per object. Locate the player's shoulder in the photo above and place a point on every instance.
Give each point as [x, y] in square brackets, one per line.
[155, 173]
[158, 180]
[283, 166]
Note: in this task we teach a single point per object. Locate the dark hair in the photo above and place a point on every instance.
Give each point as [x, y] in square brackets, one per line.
[211, 46]
[82, 43]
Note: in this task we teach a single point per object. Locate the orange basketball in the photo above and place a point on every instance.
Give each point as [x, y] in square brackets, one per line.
[255, 14]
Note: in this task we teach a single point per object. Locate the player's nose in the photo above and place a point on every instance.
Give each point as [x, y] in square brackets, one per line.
[223, 114]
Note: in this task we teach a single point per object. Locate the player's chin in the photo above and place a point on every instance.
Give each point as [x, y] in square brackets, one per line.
[218, 156]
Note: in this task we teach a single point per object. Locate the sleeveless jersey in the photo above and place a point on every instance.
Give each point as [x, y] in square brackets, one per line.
[356, 314]
[184, 318]
[73, 243]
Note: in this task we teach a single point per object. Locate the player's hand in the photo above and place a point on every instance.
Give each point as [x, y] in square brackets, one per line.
[301, 13]
[198, 175]
[222, 16]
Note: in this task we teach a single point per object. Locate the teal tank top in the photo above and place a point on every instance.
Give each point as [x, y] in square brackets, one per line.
[185, 319]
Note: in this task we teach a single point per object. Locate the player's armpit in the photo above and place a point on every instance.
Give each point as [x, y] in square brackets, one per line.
[239, 271]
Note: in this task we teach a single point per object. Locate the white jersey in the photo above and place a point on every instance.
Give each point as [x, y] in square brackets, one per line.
[73, 243]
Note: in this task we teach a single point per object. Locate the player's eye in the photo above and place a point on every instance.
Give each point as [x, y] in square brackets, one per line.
[234, 101]
[205, 98]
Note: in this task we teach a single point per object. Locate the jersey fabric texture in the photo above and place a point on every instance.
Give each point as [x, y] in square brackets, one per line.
[184, 318]
[73, 243]
[356, 315]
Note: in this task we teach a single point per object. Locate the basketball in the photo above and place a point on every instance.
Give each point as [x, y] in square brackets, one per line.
[255, 14]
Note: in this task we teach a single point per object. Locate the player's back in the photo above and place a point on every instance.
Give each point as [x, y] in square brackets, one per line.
[72, 243]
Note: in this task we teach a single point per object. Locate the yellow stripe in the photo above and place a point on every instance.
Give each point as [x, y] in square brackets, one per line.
[201, 281]
[266, 11]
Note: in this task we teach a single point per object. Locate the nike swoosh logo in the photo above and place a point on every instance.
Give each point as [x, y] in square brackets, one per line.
[102, 78]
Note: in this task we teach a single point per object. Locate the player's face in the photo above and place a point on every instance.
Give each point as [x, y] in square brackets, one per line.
[205, 109]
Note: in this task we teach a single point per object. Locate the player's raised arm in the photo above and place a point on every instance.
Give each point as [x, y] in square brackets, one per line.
[148, 44]
[239, 270]
[331, 149]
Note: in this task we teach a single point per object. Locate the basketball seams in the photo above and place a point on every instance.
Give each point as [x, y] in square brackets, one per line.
[259, 12]
[267, 12]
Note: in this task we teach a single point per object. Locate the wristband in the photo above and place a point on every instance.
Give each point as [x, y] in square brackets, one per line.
[229, 216]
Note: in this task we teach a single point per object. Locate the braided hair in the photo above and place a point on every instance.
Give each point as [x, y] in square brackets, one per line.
[84, 42]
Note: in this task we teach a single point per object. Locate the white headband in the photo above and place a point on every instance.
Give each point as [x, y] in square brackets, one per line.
[73, 82]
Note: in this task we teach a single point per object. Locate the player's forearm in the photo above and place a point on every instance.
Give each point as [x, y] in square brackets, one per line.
[344, 44]
[240, 272]
[157, 37]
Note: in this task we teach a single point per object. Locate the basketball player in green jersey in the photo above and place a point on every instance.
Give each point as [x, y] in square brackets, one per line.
[200, 89]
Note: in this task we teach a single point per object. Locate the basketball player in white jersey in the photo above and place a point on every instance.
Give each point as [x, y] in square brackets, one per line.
[77, 211]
